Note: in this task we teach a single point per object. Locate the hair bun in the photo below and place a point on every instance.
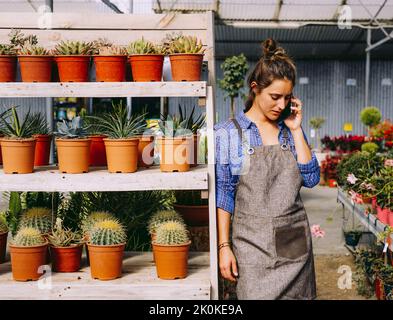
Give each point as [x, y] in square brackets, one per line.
[271, 51]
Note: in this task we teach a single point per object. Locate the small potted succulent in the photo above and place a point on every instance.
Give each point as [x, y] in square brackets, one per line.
[175, 144]
[3, 236]
[110, 61]
[186, 56]
[28, 253]
[73, 147]
[146, 60]
[159, 217]
[73, 60]
[106, 248]
[171, 248]
[192, 207]
[8, 62]
[43, 138]
[17, 145]
[121, 145]
[65, 248]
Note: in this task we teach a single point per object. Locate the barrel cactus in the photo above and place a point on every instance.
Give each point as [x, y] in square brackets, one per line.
[162, 216]
[94, 217]
[107, 232]
[28, 237]
[38, 218]
[172, 233]
[3, 224]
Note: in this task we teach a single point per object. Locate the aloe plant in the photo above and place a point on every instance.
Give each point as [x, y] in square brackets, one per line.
[143, 46]
[33, 50]
[73, 130]
[39, 124]
[186, 44]
[12, 127]
[74, 48]
[172, 126]
[192, 124]
[64, 237]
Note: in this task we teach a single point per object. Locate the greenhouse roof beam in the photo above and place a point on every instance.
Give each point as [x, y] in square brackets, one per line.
[112, 6]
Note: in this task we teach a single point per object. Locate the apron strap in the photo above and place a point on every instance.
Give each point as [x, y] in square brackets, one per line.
[243, 138]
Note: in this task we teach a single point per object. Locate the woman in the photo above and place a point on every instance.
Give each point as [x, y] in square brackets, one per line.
[262, 160]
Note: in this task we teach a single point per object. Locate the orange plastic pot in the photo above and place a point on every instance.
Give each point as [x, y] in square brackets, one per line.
[18, 155]
[97, 151]
[110, 68]
[145, 151]
[73, 68]
[42, 149]
[26, 261]
[194, 215]
[122, 155]
[7, 68]
[3, 246]
[36, 68]
[171, 260]
[146, 67]
[66, 259]
[186, 67]
[106, 261]
[73, 155]
[175, 154]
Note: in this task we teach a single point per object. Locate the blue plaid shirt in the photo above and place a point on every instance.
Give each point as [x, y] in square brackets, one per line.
[229, 158]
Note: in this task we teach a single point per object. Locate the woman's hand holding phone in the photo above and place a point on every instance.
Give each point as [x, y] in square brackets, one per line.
[294, 120]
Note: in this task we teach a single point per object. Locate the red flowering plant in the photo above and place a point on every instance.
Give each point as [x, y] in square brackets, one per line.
[343, 144]
[382, 134]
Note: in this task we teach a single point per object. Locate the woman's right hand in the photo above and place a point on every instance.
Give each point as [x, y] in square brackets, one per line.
[227, 263]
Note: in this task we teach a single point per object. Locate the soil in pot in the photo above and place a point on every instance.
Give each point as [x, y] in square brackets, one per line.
[106, 261]
[73, 155]
[7, 68]
[175, 154]
[97, 151]
[36, 68]
[42, 149]
[66, 259]
[146, 67]
[186, 67]
[122, 155]
[18, 155]
[73, 68]
[110, 68]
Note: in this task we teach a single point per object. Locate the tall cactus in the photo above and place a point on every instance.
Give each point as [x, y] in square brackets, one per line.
[162, 216]
[28, 237]
[108, 232]
[172, 233]
[38, 218]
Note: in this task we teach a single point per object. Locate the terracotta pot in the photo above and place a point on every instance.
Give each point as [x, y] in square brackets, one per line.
[145, 151]
[146, 67]
[36, 68]
[122, 155]
[171, 260]
[7, 68]
[97, 151]
[73, 155]
[366, 200]
[73, 68]
[106, 261]
[3, 246]
[110, 68]
[66, 259]
[186, 67]
[42, 149]
[332, 183]
[383, 214]
[18, 155]
[25, 261]
[174, 154]
[378, 288]
[194, 215]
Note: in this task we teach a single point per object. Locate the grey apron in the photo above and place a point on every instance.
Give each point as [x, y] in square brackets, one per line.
[270, 230]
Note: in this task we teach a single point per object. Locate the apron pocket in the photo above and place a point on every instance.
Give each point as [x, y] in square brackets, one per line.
[291, 242]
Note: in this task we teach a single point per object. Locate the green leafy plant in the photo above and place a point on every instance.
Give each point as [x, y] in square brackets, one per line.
[370, 116]
[383, 184]
[185, 44]
[28, 237]
[172, 126]
[74, 48]
[108, 232]
[172, 233]
[38, 218]
[73, 130]
[64, 237]
[191, 124]
[163, 216]
[12, 127]
[316, 123]
[143, 46]
[190, 198]
[370, 147]
[39, 124]
[19, 40]
[235, 69]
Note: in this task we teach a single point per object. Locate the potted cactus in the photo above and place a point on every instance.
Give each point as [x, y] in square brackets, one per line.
[159, 217]
[43, 138]
[73, 60]
[122, 143]
[174, 144]
[171, 250]
[17, 145]
[73, 148]
[38, 218]
[28, 253]
[106, 248]
[192, 207]
[3, 236]
[65, 248]
[146, 60]
[110, 61]
[186, 56]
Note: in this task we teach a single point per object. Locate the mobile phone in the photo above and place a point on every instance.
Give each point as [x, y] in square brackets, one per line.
[287, 111]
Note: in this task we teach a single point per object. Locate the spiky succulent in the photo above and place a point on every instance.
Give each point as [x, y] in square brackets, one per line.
[94, 217]
[19, 40]
[3, 223]
[112, 51]
[39, 124]
[108, 232]
[144, 47]
[72, 130]
[11, 126]
[163, 216]
[192, 124]
[172, 126]
[63, 237]
[34, 51]
[172, 233]
[7, 50]
[38, 218]
[28, 237]
[74, 48]
[186, 44]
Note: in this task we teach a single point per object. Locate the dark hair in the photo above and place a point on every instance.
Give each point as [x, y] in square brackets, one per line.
[274, 64]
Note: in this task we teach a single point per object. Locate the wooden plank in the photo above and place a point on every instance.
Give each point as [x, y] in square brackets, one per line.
[139, 281]
[102, 89]
[48, 179]
[23, 20]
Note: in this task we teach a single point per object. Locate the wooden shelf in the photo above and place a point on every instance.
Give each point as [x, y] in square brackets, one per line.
[139, 281]
[102, 89]
[49, 179]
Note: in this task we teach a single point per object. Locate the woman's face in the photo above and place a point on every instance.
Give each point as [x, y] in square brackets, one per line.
[271, 101]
